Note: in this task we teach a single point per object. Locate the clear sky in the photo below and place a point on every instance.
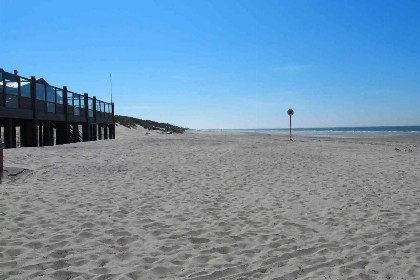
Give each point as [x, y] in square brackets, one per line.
[226, 64]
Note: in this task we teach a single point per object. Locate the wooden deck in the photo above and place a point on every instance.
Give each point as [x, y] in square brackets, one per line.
[46, 115]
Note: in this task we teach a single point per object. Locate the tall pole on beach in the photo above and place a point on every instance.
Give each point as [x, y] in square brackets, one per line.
[290, 112]
[110, 80]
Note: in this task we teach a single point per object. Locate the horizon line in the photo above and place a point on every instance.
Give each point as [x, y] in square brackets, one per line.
[308, 127]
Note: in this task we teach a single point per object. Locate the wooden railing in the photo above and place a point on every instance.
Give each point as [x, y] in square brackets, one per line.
[26, 98]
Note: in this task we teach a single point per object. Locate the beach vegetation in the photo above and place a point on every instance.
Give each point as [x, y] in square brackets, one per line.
[131, 122]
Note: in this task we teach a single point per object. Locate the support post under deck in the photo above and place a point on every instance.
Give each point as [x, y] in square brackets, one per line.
[10, 134]
[100, 131]
[105, 132]
[47, 134]
[29, 133]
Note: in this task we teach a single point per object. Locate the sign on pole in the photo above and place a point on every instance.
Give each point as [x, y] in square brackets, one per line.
[290, 112]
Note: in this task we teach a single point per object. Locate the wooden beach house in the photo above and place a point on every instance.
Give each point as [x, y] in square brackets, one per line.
[34, 113]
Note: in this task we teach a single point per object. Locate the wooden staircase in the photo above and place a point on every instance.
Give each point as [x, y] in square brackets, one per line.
[75, 134]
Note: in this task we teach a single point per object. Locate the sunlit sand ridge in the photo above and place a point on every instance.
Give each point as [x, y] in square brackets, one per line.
[212, 206]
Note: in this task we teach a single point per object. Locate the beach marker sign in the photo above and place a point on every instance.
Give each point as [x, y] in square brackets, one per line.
[290, 112]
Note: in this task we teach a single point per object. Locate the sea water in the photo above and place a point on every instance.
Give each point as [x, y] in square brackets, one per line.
[342, 132]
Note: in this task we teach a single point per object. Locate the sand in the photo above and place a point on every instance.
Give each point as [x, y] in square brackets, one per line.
[212, 206]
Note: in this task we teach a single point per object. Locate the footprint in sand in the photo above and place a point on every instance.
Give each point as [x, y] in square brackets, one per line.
[58, 254]
[198, 240]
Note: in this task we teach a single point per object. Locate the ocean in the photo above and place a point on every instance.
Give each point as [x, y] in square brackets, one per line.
[341, 132]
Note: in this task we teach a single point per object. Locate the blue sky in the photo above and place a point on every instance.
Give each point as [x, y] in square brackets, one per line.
[226, 64]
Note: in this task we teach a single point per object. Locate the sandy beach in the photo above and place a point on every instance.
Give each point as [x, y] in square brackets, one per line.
[212, 206]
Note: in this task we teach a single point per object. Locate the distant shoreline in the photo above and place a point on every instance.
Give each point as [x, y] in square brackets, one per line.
[373, 132]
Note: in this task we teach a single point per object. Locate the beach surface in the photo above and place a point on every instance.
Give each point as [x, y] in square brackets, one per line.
[212, 206]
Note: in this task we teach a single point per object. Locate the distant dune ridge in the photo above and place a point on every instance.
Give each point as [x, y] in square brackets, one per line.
[207, 205]
[131, 122]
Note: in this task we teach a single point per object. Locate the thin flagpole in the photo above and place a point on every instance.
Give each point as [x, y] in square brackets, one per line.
[110, 80]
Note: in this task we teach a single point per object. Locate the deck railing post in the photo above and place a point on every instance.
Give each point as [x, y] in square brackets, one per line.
[33, 96]
[86, 131]
[19, 90]
[30, 127]
[4, 87]
[66, 117]
[95, 125]
[113, 121]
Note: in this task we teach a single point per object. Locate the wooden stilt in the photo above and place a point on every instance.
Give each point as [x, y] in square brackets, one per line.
[105, 132]
[46, 134]
[100, 132]
[10, 134]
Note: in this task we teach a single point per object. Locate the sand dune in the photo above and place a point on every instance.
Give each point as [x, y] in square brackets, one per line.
[212, 206]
